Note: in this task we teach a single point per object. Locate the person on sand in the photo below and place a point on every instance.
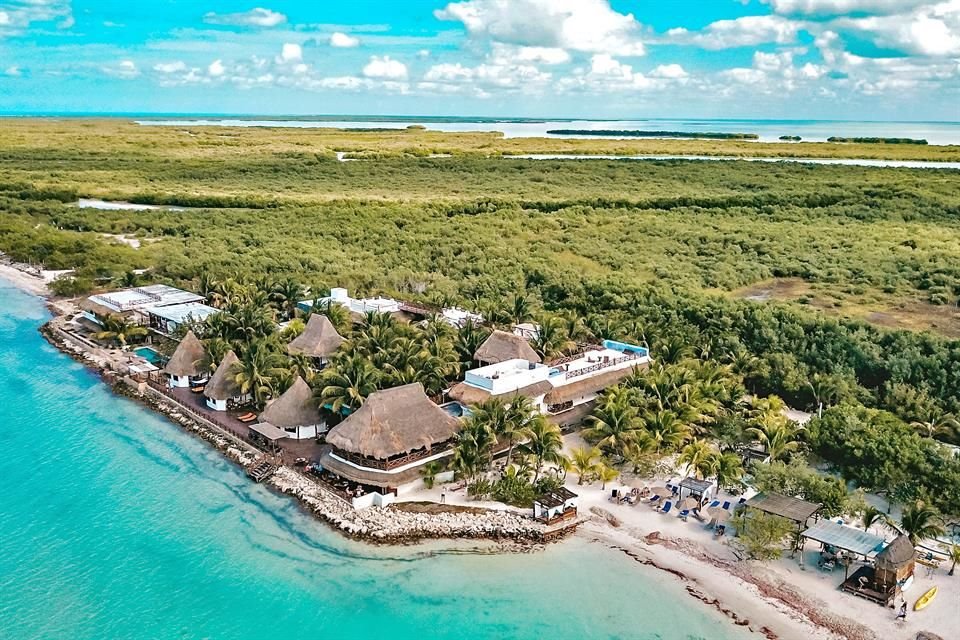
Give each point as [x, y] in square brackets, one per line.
[903, 612]
[443, 496]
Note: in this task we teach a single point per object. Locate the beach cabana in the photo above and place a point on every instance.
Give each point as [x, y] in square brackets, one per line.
[390, 437]
[222, 391]
[699, 490]
[892, 568]
[319, 340]
[296, 412]
[184, 367]
[501, 346]
[555, 506]
[793, 509]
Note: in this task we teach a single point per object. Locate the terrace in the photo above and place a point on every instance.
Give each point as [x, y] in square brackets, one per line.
[155, 295]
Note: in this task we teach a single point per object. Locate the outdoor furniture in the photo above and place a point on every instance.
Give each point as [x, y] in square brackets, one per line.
[666, 507]
[683, 514]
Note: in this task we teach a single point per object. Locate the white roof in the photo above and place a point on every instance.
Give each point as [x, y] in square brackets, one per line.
[155, 295]
[180, 313]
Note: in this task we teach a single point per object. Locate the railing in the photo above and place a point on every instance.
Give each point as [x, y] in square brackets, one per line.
[392, 463]
[570, 513]
[601, 365]
[420, 309]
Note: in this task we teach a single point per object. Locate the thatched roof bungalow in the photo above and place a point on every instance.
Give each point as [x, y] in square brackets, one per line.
[222, 391]
[501, 346]
[296, 412]
[319, 339]
[387, 440]
[184, 369]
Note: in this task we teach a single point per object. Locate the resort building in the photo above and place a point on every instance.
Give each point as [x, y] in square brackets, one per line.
[295, 414]
[554, 389]
[166, 320]
[389, 438]
[185, 368]
[357, 306]
[132, 302]
[457, 317]
[318, 341]
[501, 346]
[556, 506]
[222, 391]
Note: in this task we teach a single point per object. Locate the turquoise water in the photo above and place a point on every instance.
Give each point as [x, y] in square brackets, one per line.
[115, 524]
[149, 355]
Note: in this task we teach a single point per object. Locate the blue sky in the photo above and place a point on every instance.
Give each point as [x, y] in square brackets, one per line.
[825, 59]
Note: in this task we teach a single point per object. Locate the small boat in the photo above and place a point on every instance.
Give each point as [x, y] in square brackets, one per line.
[925, 599]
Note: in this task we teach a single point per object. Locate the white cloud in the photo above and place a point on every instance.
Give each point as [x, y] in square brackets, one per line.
[258, 17]
[343, 41]
[216, 69]
[932, 30]
[290, 53]
[170, 67]
[385, 68]
[669, 71]
[13, 72]
[423, 53]
[15, 17]
[746, 31]
[591, 26]
[545, 55]
[842, 7]
[126, 69]
[5, 19]
[744, 75]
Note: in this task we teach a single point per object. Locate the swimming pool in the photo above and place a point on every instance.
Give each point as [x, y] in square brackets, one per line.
[150, 355]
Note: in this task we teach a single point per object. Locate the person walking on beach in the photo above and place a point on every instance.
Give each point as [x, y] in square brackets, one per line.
[903, 612]
[443, 496]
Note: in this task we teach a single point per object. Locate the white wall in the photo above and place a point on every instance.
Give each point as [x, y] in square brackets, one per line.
[178, 381]
[217, 405]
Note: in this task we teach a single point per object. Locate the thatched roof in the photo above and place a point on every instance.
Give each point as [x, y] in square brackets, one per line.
[223, 384]
[467, 394]
[186, 359]
[502, 346]
[393, 422]
[318, 340]
[589, 384]
[295, 408]
[369, 476]
[898, 553]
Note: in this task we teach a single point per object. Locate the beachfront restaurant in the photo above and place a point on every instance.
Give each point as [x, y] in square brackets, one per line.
[167, 319]
[131, 303]
[385, 443]
[222, 391]
[184, 369]
[556, 506]
[319, 340]
[296, 413]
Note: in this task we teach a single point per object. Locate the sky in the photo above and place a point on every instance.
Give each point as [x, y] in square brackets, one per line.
[775, 59]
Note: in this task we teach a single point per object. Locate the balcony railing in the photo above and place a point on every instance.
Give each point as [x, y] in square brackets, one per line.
[605, 364]
[392, 463]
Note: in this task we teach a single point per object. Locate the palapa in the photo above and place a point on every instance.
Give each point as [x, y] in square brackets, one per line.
[187, 358]
[393, 422]
[897, 554]
[688, 504]
[469, 395]
[501, 346]
[318, 340]
[223, 384]
[719, 514]
[295, 408]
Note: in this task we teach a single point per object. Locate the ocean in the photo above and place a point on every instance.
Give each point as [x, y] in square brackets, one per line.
[116, 524]
[938, 133]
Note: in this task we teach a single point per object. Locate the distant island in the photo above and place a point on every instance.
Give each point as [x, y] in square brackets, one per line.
[633, 133]
[876, 140]
[791, 138]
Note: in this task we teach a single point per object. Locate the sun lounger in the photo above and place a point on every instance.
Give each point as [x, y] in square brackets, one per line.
[726, 505]
[654, 500]
[715, 503]
[683, 514]
[666, 507]
[199, 389]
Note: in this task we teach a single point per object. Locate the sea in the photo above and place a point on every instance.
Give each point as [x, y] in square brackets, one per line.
[936, 133]
[114, 523]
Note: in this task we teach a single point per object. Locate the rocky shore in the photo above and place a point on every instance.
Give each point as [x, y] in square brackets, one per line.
[393, 524]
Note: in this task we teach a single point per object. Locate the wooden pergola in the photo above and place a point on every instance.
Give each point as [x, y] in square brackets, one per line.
[793, 509]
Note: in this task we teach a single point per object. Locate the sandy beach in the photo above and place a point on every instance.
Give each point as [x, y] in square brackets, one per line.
[24, 281]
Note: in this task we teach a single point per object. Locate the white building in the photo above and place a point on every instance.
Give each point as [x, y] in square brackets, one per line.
[133, 302]
[167, 320]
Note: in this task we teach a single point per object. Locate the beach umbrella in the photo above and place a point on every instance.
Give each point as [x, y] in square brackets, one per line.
[718, 514]
[688, 503]
[663, 492]
[639, 483]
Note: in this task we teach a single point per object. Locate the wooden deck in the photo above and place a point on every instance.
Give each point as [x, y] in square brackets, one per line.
[868, 589]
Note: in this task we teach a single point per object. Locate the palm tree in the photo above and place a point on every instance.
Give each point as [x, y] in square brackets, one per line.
[285, 295]
[607, 474]
[778, 438]
[118, 330]
[257, 371]
[552, 340]
[666, 429]
[544, 445]
[519, 417]
[953, 554]
[214, 349]
[936, 423]
[871, 516]
[696, 456]
[492, 414]
[919, 522]
[583, 462]
[574, 327]
[472, 449]
[672, 350]
[728, 469]
[468, 340]
[347, 383]
[614, 422]
[519, 310]
[825, 389]
[338, 314]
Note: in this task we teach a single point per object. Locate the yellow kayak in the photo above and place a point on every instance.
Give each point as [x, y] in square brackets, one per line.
[925, 599]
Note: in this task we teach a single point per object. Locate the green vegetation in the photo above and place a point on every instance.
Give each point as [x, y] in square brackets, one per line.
[876, 140]
[791, 138]
[761, 536]
[639, 133]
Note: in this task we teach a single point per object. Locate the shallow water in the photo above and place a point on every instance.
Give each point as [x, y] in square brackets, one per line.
[849, 162]
[116, 524]
[939, 133]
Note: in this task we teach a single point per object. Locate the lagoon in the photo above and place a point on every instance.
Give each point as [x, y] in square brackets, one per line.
[116, 524]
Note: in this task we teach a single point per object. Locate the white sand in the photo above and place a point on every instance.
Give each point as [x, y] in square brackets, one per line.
[24, 281]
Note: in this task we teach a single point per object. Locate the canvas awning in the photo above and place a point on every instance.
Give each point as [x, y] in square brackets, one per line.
[268, 431]
[844, 537]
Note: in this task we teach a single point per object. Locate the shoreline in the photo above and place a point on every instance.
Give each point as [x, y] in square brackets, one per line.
[25, 282]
